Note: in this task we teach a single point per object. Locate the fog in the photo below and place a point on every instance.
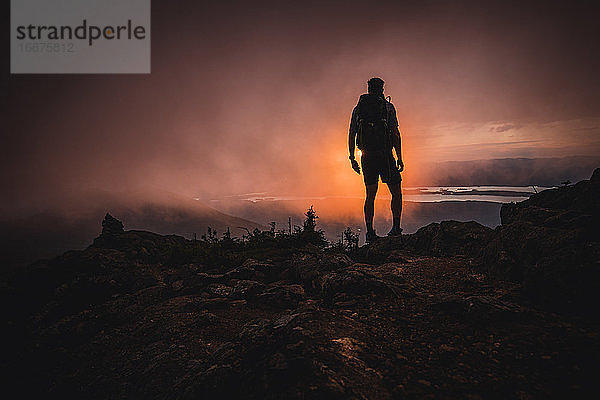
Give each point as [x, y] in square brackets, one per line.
[246, 97]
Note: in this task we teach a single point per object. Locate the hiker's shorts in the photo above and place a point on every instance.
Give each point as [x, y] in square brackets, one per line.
[379, 164]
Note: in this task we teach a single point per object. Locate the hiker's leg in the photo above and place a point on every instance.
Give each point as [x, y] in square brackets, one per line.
[370, 205]
[396, 205]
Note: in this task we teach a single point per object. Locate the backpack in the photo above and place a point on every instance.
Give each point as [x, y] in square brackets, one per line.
[372, 123]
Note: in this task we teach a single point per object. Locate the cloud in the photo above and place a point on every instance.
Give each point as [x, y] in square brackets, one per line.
[246, 96]
[504, 127]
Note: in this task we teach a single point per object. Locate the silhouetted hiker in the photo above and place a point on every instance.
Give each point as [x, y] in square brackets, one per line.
[374, 129]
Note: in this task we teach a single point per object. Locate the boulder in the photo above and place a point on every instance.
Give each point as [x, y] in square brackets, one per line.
[111, 225]
[309, 269]
[351, 282]
[450, 238]
[550, 243]
[245, 289]
[218, 290]
[282, 295]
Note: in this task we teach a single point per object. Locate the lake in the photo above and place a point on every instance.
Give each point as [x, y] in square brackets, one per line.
[421, 206]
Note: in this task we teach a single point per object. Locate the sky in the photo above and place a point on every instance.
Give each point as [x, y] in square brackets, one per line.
[256, 97]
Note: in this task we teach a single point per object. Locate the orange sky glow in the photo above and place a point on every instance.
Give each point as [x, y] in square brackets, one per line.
[257, 98]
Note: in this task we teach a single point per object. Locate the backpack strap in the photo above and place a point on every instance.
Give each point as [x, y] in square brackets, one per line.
[385, 108]
[387, 126]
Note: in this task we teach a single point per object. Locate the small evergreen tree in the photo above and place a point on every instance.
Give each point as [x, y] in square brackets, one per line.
[211, 236]
[351, 239]
[310, 222]
[310, 234]
[227, 240]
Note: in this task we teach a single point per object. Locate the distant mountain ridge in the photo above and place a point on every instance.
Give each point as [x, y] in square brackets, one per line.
[511, 171]
[52, 232]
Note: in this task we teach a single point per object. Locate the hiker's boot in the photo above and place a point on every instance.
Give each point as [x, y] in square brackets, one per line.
[396, 231]
[372, 236]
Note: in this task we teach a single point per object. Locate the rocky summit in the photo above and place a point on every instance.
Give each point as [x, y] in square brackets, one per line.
[454, 311]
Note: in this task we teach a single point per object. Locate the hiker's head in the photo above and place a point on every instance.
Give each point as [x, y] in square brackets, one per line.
[375, 86]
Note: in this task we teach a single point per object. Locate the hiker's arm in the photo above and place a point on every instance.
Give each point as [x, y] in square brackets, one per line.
[397, 144]
[352, 134]
[351, 144]
[352, 141]
[396, 140]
